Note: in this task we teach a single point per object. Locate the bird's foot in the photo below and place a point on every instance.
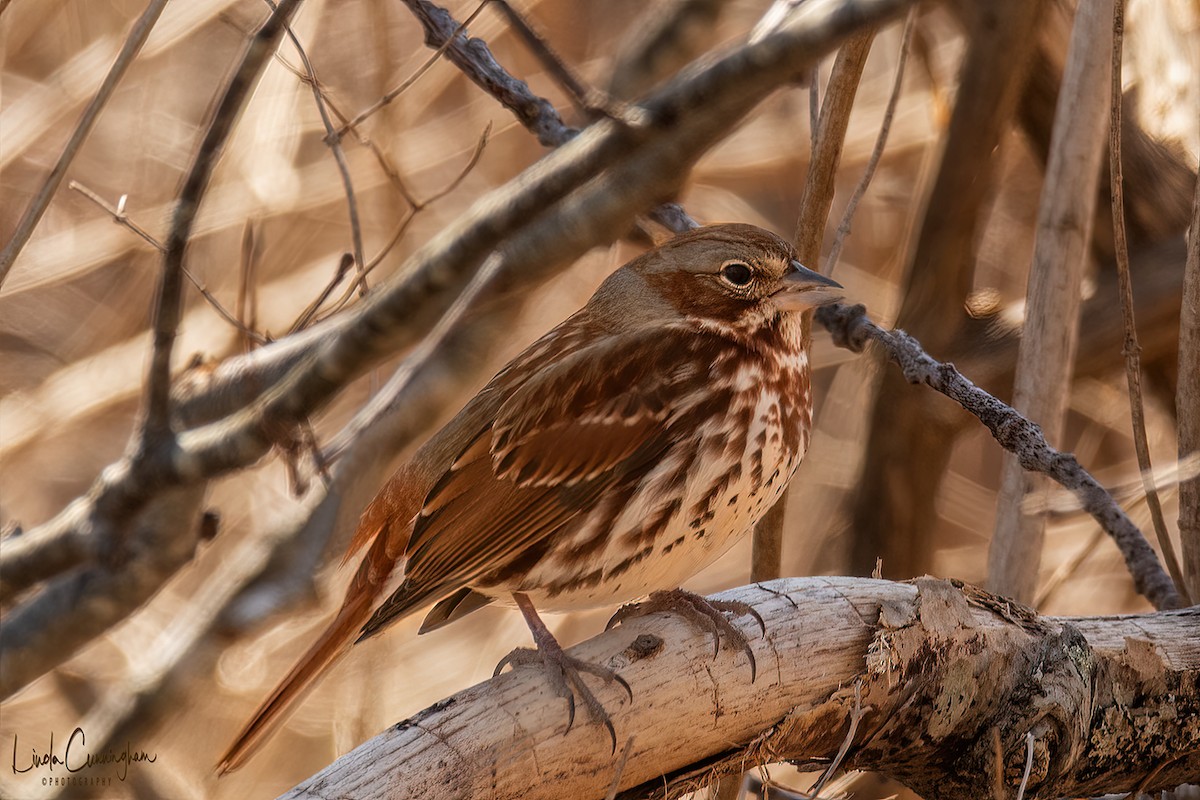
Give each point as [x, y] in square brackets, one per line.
[564, 672]
[703, 613]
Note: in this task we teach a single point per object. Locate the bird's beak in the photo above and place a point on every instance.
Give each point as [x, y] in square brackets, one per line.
[801, 288]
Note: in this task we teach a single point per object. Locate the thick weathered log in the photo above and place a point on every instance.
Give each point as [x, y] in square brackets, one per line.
[937, 671]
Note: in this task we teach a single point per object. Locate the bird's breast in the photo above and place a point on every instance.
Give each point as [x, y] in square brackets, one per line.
[734, 449]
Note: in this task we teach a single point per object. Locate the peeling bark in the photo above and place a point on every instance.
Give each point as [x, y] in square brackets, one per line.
[937, 669]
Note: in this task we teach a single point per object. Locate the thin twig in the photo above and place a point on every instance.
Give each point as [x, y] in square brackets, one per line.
[619, 770]
[411, 79]
[335, 145]
[582, 95]
[852, 329]
[309, 313]
[246, 305]
[885, 127]
[587, 98]
[156, 427]
[248, 334]
[41, 201]
[119, 216]
[416, 206]
[1131, 349]
[117, 213]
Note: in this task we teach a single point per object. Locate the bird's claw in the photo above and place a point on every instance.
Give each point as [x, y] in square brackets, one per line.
[703, 613]
[565, 674]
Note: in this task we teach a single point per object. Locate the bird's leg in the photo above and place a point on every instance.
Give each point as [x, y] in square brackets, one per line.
[563, 671]
[703, 613]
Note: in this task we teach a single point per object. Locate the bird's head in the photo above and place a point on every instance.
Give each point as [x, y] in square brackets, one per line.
[731, 275]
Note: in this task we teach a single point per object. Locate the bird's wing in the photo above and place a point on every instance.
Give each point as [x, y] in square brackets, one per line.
[571, 431]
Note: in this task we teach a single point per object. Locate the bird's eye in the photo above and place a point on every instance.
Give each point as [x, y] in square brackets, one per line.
[736, 273]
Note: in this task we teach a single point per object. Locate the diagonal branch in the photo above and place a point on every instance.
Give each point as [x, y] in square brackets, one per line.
[1015, 433]
[37, 207]
[537, 114]
[475, 60]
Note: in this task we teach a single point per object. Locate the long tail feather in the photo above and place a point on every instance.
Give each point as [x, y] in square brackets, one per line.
[383, 541]
[331, 646]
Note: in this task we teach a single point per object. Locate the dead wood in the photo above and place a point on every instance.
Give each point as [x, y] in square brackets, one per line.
[934, 667]
[895, 507]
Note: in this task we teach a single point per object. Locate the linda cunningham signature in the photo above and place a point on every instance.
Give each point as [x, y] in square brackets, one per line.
[75, 757]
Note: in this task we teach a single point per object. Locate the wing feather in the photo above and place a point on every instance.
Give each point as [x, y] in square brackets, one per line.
[569, 431]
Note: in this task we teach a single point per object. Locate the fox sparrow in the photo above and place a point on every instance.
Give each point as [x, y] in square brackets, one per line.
[618, 455]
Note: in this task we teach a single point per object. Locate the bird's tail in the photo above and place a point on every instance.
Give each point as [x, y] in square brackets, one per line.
[383, 533]
[381, 558]
[330, 647]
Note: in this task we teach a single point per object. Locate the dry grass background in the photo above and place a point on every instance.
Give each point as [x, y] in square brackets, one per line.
[74, 315]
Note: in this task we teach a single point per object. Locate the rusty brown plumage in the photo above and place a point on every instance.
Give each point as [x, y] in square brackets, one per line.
[618, 455]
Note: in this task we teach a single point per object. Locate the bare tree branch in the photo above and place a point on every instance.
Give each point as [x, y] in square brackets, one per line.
[72, 610]
[119, 216]
[1048, 341]
[1131, 349]
[767, 556]
[411, 79]
[1187, 402]
[41, 201]
[476, 61]
[894, 507]
[935, 667]
[1016, 434]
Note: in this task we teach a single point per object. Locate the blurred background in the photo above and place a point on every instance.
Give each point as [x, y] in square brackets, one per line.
[180, 675]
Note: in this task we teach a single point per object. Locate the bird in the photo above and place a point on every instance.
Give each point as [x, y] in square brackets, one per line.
[612, 459]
